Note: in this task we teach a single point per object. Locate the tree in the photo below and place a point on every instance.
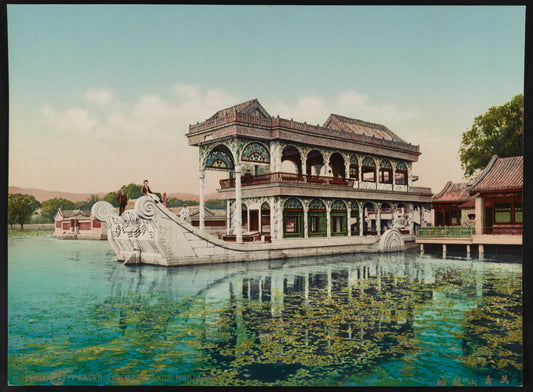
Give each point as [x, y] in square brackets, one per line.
[87, 204]
[215, 204]
[498, 131]
[49, 207]
[21, 208]
[111, 197]
[133, 191]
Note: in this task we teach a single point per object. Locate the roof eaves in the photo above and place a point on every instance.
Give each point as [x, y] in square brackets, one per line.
[482, 175]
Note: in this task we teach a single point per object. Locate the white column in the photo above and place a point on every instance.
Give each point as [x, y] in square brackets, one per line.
[306, 220]
[411, 218]
[237, 219]
[202, 206]
[328, 220]
[348, 217]
[228, 217]
[360, 170]
[347, 167]
[361, 214]
[378, 218]
[248, 220]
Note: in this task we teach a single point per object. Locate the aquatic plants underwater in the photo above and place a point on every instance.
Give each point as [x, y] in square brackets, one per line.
[315, 332]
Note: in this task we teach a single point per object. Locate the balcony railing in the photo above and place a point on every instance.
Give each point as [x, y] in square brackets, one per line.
[286, 178]
[446, 231]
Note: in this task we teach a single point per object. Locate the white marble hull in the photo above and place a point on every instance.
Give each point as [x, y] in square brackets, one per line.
[151, 234]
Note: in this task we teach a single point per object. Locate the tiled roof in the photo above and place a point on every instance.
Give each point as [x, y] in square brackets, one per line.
[469, 204]
[360, 127]
[501, 174]
[74, 213]
[252, 108]
[458, 192]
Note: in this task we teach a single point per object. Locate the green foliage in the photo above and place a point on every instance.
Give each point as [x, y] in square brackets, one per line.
[20, 208]
[216, 204]
[173, 202]
[133, 191]
[498, 131]
[111, 197]
[49, 208]
[87, 204]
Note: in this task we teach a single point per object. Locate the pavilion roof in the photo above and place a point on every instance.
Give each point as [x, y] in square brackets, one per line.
[252, 108]
[351, 125]
[500, 174]
[454, 192]
[74, 213]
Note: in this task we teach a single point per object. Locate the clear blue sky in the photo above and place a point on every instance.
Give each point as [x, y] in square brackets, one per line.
[102, 95]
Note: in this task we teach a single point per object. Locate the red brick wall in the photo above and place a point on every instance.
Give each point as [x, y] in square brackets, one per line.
[96, 224]
[85, 225]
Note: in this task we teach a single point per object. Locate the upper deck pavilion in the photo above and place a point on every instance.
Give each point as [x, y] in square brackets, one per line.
[251, 120]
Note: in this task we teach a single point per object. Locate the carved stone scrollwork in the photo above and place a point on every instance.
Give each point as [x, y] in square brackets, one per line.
[145, 207]
[391, 240]
[103, 210]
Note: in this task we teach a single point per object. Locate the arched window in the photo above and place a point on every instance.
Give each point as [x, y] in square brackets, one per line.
[368, 170]
[401, 174]
[336, 162]
[339, 218]
[385, 172]
[265, 217]
[292, 218]
[369, 219]
[386, 217]
[354, 218]
[291, 154]
[314, 163]
[354, 167]
[317, 218]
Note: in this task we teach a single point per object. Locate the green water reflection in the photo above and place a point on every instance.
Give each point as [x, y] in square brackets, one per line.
[396, 319]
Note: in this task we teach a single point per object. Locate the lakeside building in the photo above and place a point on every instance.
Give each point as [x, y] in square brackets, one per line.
[496, 194]
[78, 224]
[288, 179]
[454, 205]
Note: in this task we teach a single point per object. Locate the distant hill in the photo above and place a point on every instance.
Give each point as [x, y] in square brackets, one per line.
[43, 195]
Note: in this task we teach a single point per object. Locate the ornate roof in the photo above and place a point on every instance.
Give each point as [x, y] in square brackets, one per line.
[351, 125]
[73, 213]
[454, 192]
[500, 174]
[252, 108]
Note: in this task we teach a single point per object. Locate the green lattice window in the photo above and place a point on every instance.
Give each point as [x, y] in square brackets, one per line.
[316, 205]
[502, 213]
[338, 205]
[518, 213]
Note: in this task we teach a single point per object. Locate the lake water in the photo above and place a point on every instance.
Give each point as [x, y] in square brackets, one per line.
[78, 317]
